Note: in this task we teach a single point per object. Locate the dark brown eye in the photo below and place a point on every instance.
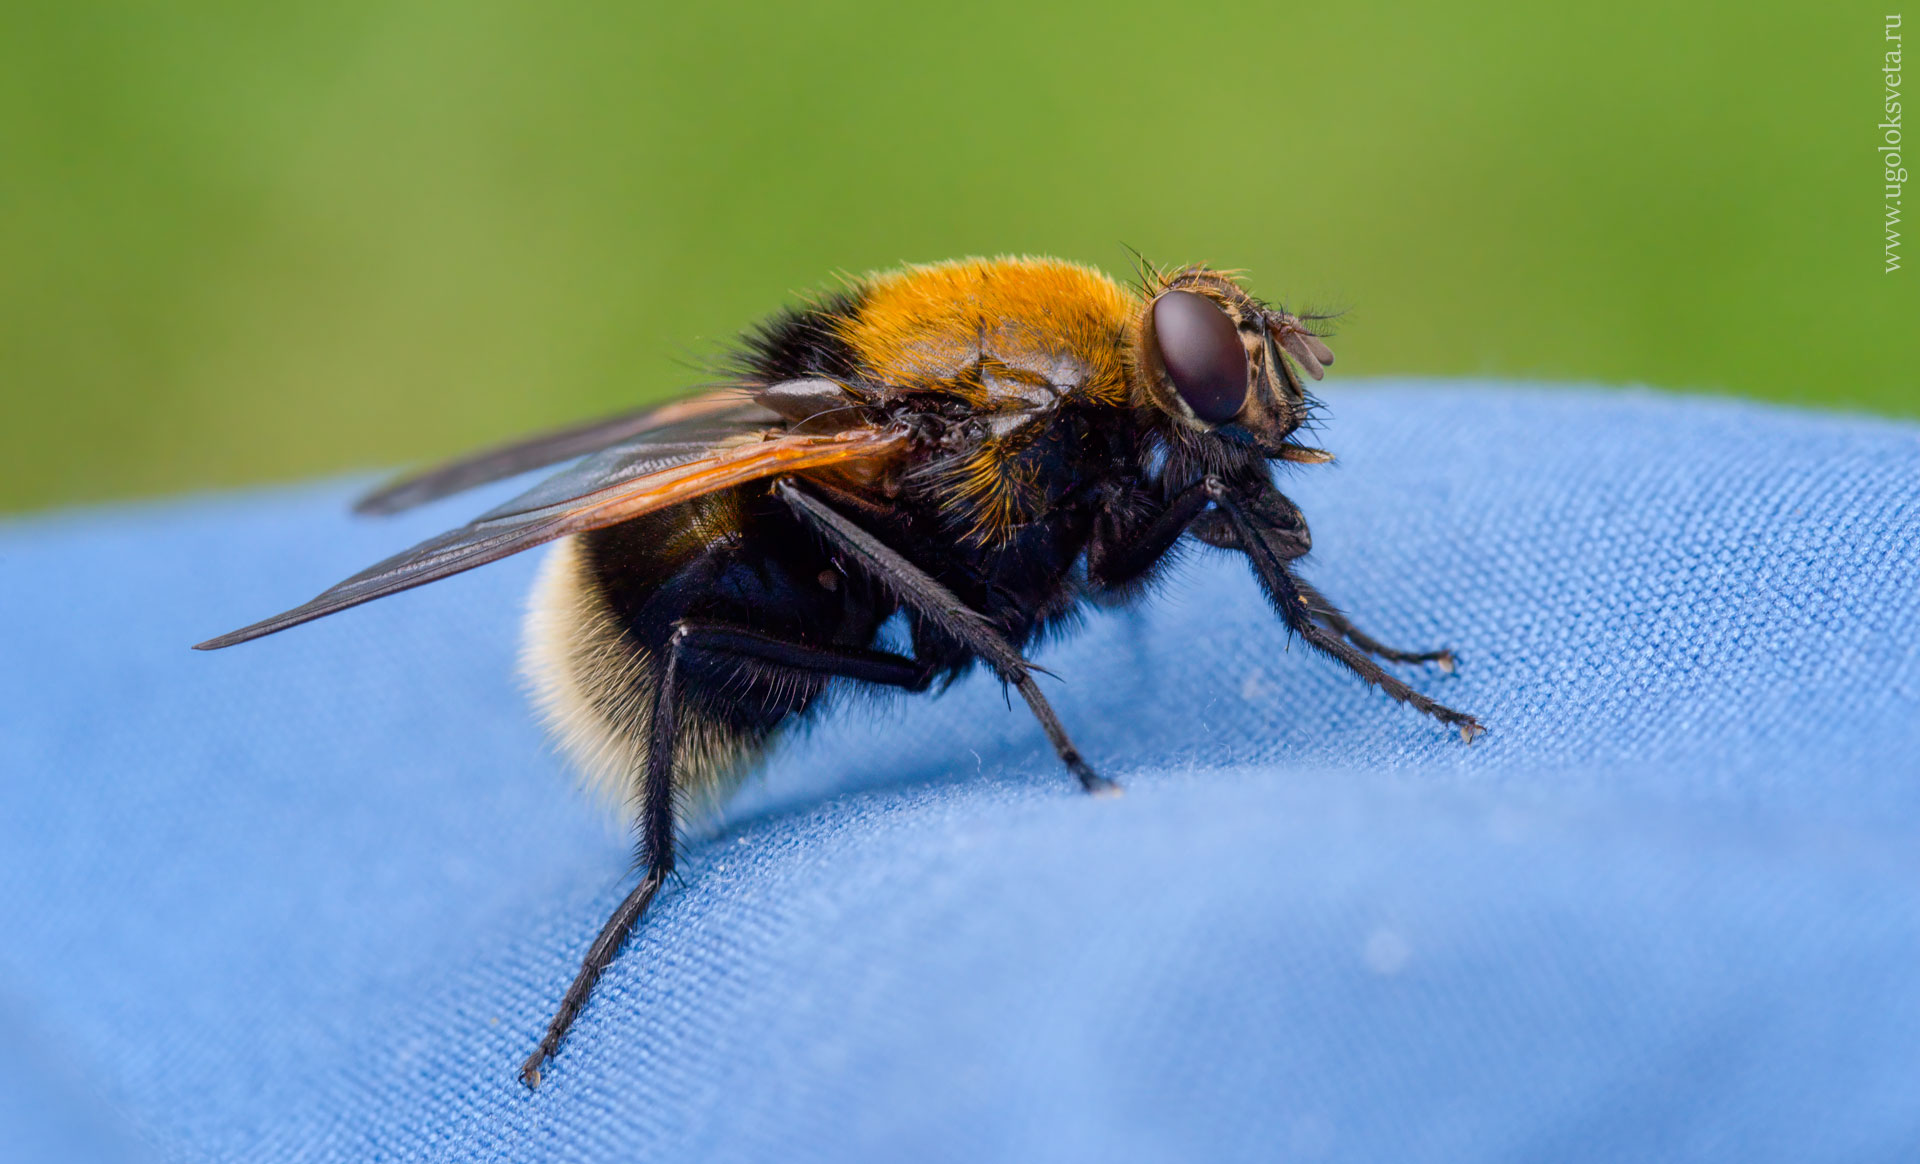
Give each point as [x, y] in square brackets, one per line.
[1203, 354]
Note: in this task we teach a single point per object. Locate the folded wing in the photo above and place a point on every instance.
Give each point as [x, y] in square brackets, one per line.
[615, 485]
[681, 420]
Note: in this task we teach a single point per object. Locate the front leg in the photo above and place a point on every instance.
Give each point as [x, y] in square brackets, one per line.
[1283, 532]
[1320, 625]
[1131, 534]
[1130, 537]
[1336, 621]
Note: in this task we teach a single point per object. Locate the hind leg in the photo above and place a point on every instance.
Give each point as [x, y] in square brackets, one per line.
[761, 656]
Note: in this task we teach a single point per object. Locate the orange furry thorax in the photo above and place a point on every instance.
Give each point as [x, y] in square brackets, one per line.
[932, 328]
[1003, 335]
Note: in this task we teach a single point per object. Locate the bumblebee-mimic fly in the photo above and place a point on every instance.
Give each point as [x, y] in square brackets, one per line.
[980, 446]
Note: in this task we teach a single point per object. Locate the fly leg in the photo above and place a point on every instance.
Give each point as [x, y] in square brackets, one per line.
[1283, 533]
[1126, 545]
[1290, 598]
[1334, 620]
[923, 594]
[762, 656]
[1268, 528]
[1132, 535]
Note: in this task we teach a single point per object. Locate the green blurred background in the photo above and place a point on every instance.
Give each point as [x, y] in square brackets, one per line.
[244, 242]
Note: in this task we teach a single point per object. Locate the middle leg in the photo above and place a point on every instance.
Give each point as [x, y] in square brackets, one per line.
[923, 593]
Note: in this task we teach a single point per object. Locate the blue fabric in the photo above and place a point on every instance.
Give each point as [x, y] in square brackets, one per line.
[314, 898]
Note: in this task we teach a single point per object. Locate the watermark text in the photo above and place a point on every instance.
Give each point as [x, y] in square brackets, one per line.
[1891, 158]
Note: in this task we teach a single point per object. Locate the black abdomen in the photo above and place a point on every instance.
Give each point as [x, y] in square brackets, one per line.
[735, 559]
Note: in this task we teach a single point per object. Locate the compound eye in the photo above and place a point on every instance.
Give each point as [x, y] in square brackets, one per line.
[1203, 355]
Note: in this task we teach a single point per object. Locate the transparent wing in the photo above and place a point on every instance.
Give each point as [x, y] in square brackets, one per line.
[613, 486]
[682, 420]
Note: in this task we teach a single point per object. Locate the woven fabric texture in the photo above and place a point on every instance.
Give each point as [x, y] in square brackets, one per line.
[315, 897]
